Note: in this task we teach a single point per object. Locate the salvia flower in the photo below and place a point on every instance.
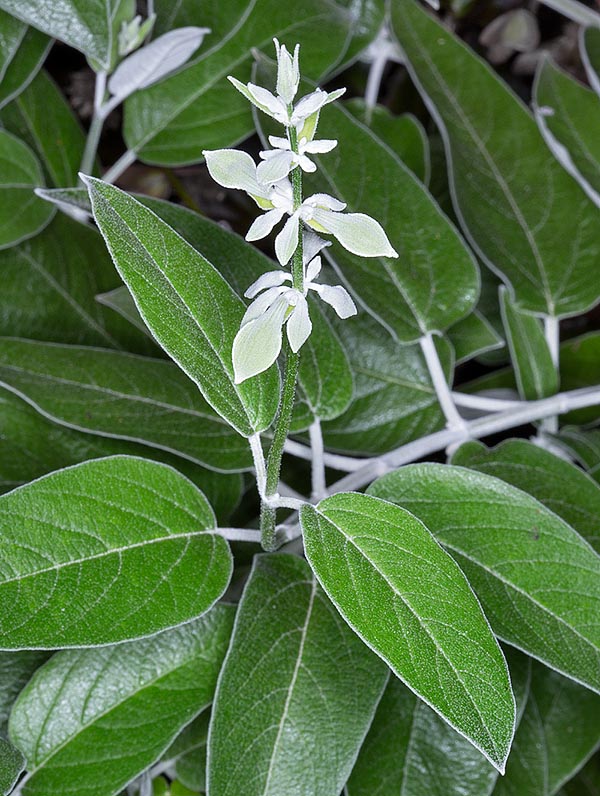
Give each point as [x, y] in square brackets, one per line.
[279, 161]
[277, 304]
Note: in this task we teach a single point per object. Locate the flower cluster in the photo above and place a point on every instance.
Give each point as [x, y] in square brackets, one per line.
[258, 343]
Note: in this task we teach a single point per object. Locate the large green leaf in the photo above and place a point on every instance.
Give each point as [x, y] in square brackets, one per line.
[121, 395]
[434, 282]
[11, 765]
[32, 446]
[568, 115]
[16, 669]
[586, 783]
[563, 488]
[105, 551]
[42, 117]
[590, 55]
[559, 731]
[22, 52]
[297, 692]
[125, 704]
[394, 399]
[410, 751]
[537, 579]
[409, 601]
[535, 373]
[83, 24]
[50, 283]
[472, 336]
[172, 122]
[190, 308]
[509, 193]
[22, 213]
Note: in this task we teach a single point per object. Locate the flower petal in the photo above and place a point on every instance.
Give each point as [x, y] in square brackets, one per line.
[321, 146]
[258, 343]
[306, 164]
[261, 304]
[287, 240]
[270, 279]
[279, 143]
[263, 225]
[326, 201]
[337, 297]
[233, 168]
[312, 244]
[299, 325]
[265, 100]
[288, 72]
[313, 269]
[275, 167]
[312, 103]
[357, 232]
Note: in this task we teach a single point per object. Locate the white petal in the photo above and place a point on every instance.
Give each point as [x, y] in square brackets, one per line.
[313, 269]
[358, 233]
[270, 279]
[233, 168]
[306, 164]
[312, 103]
[288, 74]
[275, 167]
[264, 99]
[261, 304]
[337, 297]
[263, 225]
[299, 325]
[258, 343]
[324, 200]
[312, 244]
[279, 143]
[324, 145]
[287, 240]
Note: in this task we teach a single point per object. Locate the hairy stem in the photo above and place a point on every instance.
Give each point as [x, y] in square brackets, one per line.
[552, 334]
[122, 164]
[319, 485]
[444, 395]
[96, 125]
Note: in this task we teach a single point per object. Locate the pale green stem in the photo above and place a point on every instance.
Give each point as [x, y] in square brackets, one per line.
[552, 335]
[96, 125]
[438, 378]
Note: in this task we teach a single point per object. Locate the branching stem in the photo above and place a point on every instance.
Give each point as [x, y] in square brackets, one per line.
[438, 377]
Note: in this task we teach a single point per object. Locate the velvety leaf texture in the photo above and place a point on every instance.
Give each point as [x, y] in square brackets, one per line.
[22, 52]
[11, 765]
[106, 551]
[537, 579]
[16, 669]
[297, 692]
[409, 601]
[129, 701]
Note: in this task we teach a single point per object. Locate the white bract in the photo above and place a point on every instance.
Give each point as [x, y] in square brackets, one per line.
[258, 342]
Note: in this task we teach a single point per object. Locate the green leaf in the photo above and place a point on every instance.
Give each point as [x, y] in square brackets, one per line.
[32, 446]
[297, 692]
[559, 731]
[192, 311]
[394, 399]
[106, 551]
[120, 300]
[187, 753]
[508, 193]
[43, 118]
[83, 24]
[50, 283]
[409, 601]
[124, 396]
[22, 52]
[404, 135]
[410, 751]
[555, 482]
[589, 45]
[195, 109]
[16, 669]
[535, 373]
[568, 115]
[126, 704]
[587, 783]
[537, 579]
[11, 765]
[583, 445]
[472, 336]
[434, 282]
[22, 213]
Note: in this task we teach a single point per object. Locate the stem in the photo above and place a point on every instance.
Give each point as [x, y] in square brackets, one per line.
[239, 535]
[95, 131]
[552, 335]
[373, 84]
[122, 164]
[453, 419]
[319, 485]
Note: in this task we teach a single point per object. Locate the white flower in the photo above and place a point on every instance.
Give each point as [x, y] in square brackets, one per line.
[258, 342]
[288, 72]
[278, 162]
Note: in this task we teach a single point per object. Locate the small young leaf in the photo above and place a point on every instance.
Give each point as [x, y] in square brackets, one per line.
[409, 601]
[126, 703]
[192, 311]
[22, 213]
[535, 372]
[297, 692]
[11, 765]
[555, 482]
[537, 579]
[106, 551]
